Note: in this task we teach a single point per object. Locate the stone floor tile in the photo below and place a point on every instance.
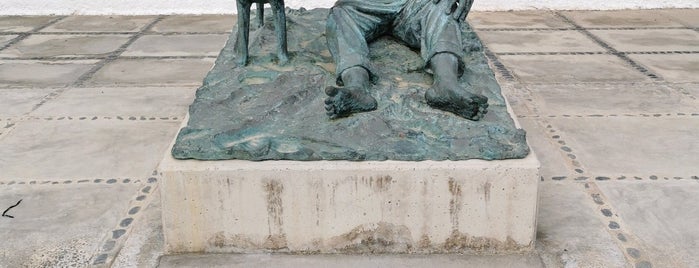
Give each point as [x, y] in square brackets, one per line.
[620, 18]
[571, 68]
[59, 225]
[516, 19]
[350, 261]
[663, 215]
[153, 72]
[84, 148]
[27, 73]
[615, 99]
[650, 40]
[538, 41]
[662, 146]
[4, 39]
[15, 102]
[675, 68]
[150, 102]
[145, 244]
[22, 23]
[689, 17]
[569, 234]
[196, 23]
[65, 46]
[100, 24]
[553, 161]
[177, 45]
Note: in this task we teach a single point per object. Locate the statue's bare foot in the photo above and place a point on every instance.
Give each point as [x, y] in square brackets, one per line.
[455, 100]
[343, 101]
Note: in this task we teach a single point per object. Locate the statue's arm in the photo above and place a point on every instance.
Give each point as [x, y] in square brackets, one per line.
[462, 8]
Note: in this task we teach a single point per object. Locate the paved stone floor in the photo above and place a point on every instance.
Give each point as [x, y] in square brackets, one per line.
[88, 106]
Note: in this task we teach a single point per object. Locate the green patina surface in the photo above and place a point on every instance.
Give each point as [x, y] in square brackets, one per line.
[263, 111]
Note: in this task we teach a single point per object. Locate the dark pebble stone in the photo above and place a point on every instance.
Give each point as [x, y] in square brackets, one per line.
[141, 197]
[132, 118]
[607, 212]
[561, 142]
[55, 182]
[152, 180]
[621, 237]
[110, 181]
[581, 178]
[621, 178]
[578, 170]
[653, 177]
[644, 264]
[695, 177]
[126, 180]
[566, 148]
[146, 189]
[118, 233]
[613, 225]
[572, 156]
[126, 222]
[555, 136]
[677, 178]
[11, 183]
[598, 199]
[109, 245]
[32, 182]
[638, 178]
[67, 182]
[601, 178]
[83, 181]
[101, 259]
[98, 180]
[635, 253]
[559, 178]
[134, 210]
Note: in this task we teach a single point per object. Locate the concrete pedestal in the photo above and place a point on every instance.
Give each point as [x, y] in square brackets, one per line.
[349, 207]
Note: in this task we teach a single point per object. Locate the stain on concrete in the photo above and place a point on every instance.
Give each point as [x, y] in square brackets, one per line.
[486, 191]
[455, 203]
[379, 184]
[461, 242]
[379, 237]
[275, 215]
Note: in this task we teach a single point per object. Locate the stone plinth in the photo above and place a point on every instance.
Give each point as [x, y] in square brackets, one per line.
[349, 207]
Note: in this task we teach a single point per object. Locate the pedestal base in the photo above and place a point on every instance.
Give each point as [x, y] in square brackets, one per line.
[349, 207]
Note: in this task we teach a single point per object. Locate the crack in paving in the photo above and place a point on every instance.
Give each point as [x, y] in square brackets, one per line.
[649, 115]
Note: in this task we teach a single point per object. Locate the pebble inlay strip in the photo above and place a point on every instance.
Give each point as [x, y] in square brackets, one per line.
[628, 243]
[115, 238]
[610, 49]
[70, 181]
[23, 35]
[92, 118]
[652, 115]
[622, 178]
[575, 29]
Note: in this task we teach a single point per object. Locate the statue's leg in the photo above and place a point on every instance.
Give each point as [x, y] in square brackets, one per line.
[280, 29]
[241, 42]
[438, 35]
[347, 32]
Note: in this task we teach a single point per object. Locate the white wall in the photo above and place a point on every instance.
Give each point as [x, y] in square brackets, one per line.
[143, 7]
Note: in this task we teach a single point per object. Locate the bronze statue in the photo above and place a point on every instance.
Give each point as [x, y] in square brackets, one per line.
[431, 25]
[241, 45]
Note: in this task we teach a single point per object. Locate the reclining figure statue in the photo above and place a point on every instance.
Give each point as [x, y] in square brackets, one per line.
[431, 25]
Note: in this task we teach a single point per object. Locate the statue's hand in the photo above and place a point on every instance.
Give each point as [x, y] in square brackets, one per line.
[462, 8]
